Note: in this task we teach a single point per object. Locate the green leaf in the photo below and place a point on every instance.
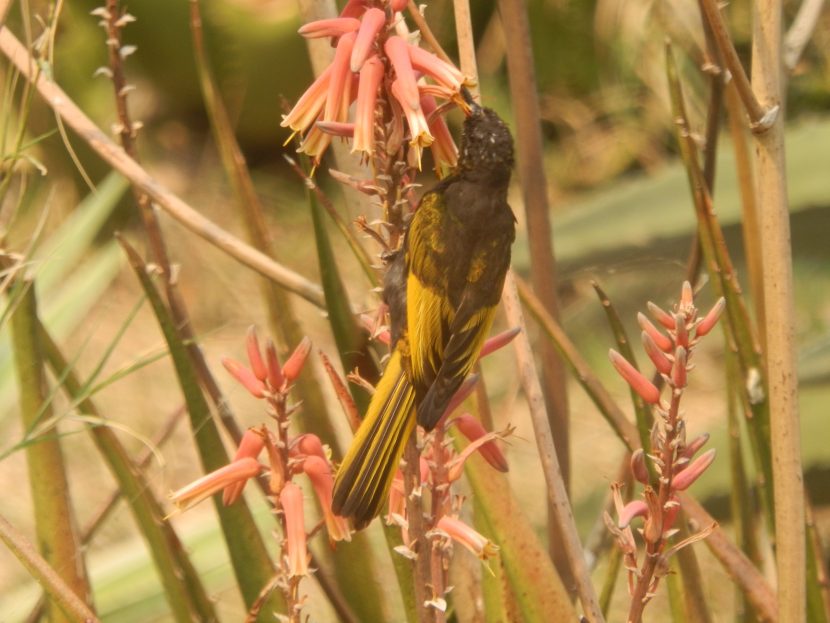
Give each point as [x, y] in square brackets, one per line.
[537, 588]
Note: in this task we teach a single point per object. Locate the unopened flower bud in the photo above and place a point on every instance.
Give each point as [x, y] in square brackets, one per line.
[711, 318]
[657, 356]
[663, 342]
[638, 466]
[291, 369]
[678, 374]
[684, 479]
[245, 377]
[661, 316]
[637, 381]
[254, 355]
[291, 501]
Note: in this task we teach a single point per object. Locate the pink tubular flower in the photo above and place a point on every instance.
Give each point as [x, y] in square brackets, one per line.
[354, 8]
[429, 64]
[635, 508]
[310, 104]
[477, 543]
[371, 75]
[250, 447]
[490, 451]
[371, 24]
[308, 444]
[398, 52]
[291, 501]
[499, 341]
[245, 377]
[207, 485]
[341, 79]
[329, 27]
[637, 381]
[418, 126]
[319, 472]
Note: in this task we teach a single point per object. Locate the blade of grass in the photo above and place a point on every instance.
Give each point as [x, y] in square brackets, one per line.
[252, 565]
[54, 516]
[73, 608]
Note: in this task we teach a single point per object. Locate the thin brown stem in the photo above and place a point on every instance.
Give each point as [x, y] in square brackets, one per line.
[416, 529]
[800, 31]
[773, 206]
[556, 492]
[115, 156]
[761, 119]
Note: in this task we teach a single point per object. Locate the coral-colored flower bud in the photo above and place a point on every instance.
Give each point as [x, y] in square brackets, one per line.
[245, 377]
[477, 543]
[678, 374]
[638, 466]
[473, 430]
[711, 318]
[373, 20]
[663, 342]
[670, 513]
[254, 355]
[319, 472]
[275, 377]
[431, 65]
[291, 501]
[292, 368]
[397, 498]
[635, 508]
[397, 51]
[684, 479]
[207, 485]
[398, 5]
[334, 27]
[661, 316]
[657, 356]
[694, 445]
[637, 381]
[499, 341]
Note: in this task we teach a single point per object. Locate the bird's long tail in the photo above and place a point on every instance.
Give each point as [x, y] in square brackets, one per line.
[368, 469]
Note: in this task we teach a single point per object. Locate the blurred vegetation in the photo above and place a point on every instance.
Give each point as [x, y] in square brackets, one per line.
[622, 215]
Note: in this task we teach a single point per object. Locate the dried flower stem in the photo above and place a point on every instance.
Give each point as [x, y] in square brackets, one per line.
[788, 485]
[115, 156]
[557, 494]
[800, 31]
[761, 119]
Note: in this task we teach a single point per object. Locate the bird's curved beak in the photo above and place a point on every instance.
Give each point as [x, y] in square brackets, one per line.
[466, 102]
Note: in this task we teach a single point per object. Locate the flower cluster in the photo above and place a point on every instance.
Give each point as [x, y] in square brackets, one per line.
[390, 79]
[267, 379]
[671, 456]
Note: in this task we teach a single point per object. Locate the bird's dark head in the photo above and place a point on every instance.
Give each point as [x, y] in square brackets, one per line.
[486, 146]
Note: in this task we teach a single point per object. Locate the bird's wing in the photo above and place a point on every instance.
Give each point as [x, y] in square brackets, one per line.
[445, 338]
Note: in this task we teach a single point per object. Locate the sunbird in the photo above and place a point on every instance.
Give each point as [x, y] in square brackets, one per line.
[442, 288]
